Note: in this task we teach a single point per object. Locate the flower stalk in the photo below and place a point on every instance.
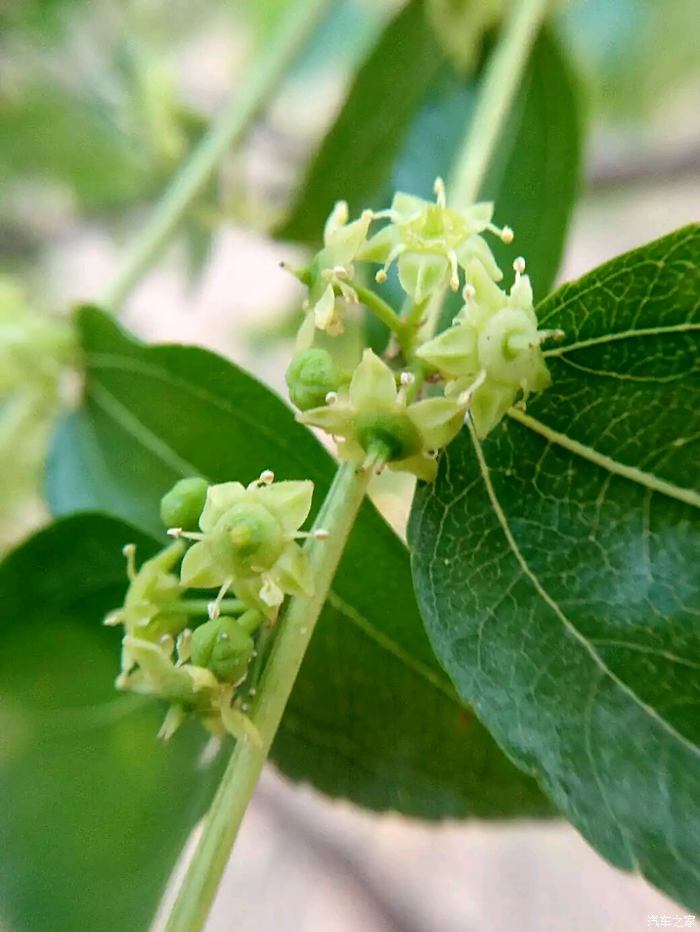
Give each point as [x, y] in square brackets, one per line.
[296, 628]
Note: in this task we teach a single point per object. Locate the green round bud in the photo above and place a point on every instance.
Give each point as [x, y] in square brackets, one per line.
[310, 376]
[223, 647]
[183, 504]
[393, 435]
[247, 538]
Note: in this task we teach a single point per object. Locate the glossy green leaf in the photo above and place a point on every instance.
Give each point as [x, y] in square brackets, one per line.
[95, 810]
[557, 565]
[356, 156]
[372, 717]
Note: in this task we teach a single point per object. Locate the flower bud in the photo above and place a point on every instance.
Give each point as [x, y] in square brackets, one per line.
[311, 375]
[183, 504]
[247, 538]
[223, 647]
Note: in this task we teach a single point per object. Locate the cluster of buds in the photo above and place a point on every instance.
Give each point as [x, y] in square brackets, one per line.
[197, 653]
[487, 361]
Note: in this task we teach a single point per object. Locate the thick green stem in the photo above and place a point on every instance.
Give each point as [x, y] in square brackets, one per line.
[297, 624]
[501, 80]
[296, 25]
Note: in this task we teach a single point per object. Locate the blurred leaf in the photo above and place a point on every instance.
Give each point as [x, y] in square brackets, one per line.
[51, 136]
[557, 565]
[95, 810]
[355, 159]
[372, 717]
[635, 53]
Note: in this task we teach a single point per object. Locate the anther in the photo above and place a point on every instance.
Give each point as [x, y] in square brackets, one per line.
[519, 265]
[175, 532]
[440, 194]
[167, 643]
[331, 398]
[407, 378]
[321, 534]
[267, 477]
[380, 277]
[507, 235]
[129, 551]
[183, 645]
[469, 292]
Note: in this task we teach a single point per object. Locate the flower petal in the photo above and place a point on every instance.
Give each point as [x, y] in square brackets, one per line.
[289, 502]
[292, 572]
[379, 247]
[421, 274]
[199, 569]
[453, 352]
[438, 421]
[219, 499]
[373, 384]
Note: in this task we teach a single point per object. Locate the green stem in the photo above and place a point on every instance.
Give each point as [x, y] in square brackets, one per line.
[381, 309]
[500, 84]
[296, 627]
[296, 25]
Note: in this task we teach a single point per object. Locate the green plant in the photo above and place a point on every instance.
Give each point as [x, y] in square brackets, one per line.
[553, 541]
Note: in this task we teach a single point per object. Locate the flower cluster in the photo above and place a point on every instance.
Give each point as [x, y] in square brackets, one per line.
[196, 653]
[486, 361]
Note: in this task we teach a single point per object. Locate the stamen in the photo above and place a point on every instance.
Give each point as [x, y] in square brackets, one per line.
[113, 618]
[465, 398]
[440, 194]
[183, 646]
[214, 607]
[319, 534]
[166, 643]
[454, 269]
[129, 551]
[177, 533]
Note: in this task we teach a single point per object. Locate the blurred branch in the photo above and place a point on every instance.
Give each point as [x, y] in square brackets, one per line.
[657, 168]
[294, 30]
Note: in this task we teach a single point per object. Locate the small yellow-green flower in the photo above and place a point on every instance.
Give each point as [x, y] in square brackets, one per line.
[430, 242]
[333, 269]
[149, 612]
[492, 353]
[377, 425]
[248, 542]
[187, 688]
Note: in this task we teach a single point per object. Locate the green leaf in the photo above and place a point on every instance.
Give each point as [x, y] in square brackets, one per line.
[356, 157]
[557, 565]
[95, 810]
[372, 717]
